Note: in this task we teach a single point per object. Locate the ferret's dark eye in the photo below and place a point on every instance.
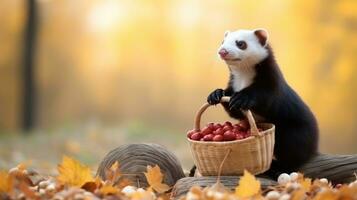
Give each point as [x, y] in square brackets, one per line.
[222, 42]
[241, 44]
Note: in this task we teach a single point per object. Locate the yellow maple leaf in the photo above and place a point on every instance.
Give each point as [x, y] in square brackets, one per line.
[154, 178]
[73, 173]
[248, 186]
[5, 182]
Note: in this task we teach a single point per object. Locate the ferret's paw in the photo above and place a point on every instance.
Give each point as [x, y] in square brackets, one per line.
[215, 97]
[241, 100]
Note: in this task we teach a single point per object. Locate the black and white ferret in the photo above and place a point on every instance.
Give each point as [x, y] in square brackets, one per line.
[256, 83]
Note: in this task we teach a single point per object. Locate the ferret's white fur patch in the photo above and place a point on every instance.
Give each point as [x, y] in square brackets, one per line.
[243, 69]
[242, 77]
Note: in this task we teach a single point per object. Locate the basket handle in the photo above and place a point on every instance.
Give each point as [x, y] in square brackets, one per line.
[248, 114]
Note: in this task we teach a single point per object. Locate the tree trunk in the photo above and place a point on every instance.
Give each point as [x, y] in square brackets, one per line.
[28, 72]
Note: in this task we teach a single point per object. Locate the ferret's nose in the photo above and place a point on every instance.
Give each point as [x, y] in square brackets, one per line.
[223, 53]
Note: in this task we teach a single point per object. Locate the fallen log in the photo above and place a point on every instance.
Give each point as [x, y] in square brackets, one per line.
[183, 185]
[134, 158]
[336, 168]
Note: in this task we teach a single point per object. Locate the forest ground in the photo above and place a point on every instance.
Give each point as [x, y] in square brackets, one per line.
[43, 149]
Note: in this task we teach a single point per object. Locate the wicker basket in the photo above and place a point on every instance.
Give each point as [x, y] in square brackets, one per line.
[254, 153]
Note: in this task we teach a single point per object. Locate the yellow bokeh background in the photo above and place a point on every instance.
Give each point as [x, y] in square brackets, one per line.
[154, 61]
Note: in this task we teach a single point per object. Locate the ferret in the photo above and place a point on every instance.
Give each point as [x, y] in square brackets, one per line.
[256, 83]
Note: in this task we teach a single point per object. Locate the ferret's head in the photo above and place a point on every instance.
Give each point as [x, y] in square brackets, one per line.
[244, 47]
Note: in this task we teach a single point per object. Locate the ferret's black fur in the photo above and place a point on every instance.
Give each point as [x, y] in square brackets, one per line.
[296, 129]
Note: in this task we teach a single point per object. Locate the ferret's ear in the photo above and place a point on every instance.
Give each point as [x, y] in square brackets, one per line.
[262, 36]
[226, 33]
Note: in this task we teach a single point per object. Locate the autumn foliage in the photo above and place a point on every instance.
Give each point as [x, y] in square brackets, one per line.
[75, 181]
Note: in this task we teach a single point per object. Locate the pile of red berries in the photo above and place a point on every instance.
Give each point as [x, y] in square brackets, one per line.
[221, 132]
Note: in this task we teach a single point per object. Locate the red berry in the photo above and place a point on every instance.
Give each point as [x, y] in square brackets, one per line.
[190, 133]
[229, 136]
[196, 136]
[219, 131]
[211, 126]
[239, 137]
[218, 138]
[227, 128]
[227, 123]
[244, 124]
[217, 126]
[238, 127]
[206, 131]
[208, 137]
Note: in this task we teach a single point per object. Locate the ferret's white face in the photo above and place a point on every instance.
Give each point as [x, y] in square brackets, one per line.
[244, 48]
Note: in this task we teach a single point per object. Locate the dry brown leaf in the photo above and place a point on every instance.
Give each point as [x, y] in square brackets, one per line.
[29, 194]
[73, 173]
[90, 186]
[155, 178]
[98, 181]
[248, 186]
[113, 173]
[123, 182]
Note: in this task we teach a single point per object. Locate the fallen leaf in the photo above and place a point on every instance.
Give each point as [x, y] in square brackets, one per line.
[123, 182]
[90, 186]
[298, 194]
[143, 195]
[19, 174]
[98, 181]
[306, 183]
[29, 194]
[73, 173]
[326, 195]
[195, 192]
[155, 178]
[248, 186]
[113, 173]
[5, 182]
[108, 189]
[21, 166]
[218, 187]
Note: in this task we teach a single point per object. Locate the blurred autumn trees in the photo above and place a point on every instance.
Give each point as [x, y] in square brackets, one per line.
[123, 61]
